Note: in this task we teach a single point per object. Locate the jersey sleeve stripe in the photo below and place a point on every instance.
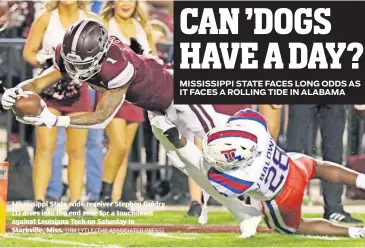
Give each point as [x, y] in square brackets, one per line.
[123, 78]
[223, 190]
[232, 133]
[235, 185]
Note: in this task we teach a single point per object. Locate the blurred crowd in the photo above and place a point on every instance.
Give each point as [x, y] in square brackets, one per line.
[149, 26]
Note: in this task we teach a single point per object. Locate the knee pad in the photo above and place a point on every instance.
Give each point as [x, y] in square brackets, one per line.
[158, 133]
[159, 126]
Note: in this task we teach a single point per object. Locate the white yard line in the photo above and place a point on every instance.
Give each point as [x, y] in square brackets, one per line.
[322, 237]
[167, 235]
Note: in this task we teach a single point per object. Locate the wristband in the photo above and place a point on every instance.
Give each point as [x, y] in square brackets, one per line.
[63, 121]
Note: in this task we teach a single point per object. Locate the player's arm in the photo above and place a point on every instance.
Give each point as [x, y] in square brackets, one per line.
[36, 85]
[40, 83]
[107, 108]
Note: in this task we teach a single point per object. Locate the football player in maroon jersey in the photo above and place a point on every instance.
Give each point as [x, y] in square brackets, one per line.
[88, 54]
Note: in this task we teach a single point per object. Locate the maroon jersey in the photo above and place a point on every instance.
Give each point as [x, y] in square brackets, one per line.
[150, 84]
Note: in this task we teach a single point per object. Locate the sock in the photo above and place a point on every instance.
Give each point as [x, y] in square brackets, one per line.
[360, 181]
[354, 232]
[106, 191]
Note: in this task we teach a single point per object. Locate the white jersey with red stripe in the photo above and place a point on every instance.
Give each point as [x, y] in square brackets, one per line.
[266, 176]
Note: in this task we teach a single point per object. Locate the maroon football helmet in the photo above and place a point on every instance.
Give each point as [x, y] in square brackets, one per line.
[83, 48]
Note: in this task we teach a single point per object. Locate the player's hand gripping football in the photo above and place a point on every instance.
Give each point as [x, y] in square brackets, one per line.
[10, 96]
[46, 118]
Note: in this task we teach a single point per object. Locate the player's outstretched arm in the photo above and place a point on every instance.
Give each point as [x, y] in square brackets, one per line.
[107, 108]
[36, 85]
[40, 83]
[335, 173]
[105, 111]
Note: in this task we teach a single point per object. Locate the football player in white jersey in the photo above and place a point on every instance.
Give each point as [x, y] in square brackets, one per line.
[242, 158]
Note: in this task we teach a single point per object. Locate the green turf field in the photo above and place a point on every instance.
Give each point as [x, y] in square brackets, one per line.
[158, 239]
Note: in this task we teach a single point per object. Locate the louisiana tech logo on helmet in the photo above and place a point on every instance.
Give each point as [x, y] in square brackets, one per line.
[230, 155]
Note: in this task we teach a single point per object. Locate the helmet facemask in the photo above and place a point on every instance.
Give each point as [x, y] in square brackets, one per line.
[81, 70]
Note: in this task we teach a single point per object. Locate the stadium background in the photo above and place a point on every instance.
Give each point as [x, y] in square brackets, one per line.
[150, 175]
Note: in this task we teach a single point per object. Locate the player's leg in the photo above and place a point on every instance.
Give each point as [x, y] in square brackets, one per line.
[75, 146]
[322, 227]
[284, 215]
[46, 142]
[273, 119]
[335, 173]
[122, 172]
[117, 133]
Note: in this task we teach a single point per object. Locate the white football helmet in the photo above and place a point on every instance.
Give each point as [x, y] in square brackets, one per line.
[229, 147]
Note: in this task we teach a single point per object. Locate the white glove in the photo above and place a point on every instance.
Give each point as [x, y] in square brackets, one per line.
[46, 118]
[249, 226]
[9, 97]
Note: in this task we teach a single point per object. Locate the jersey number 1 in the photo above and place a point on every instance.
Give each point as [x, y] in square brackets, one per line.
[281, 162]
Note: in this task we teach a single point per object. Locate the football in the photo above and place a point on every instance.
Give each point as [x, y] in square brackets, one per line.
[28, 106]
